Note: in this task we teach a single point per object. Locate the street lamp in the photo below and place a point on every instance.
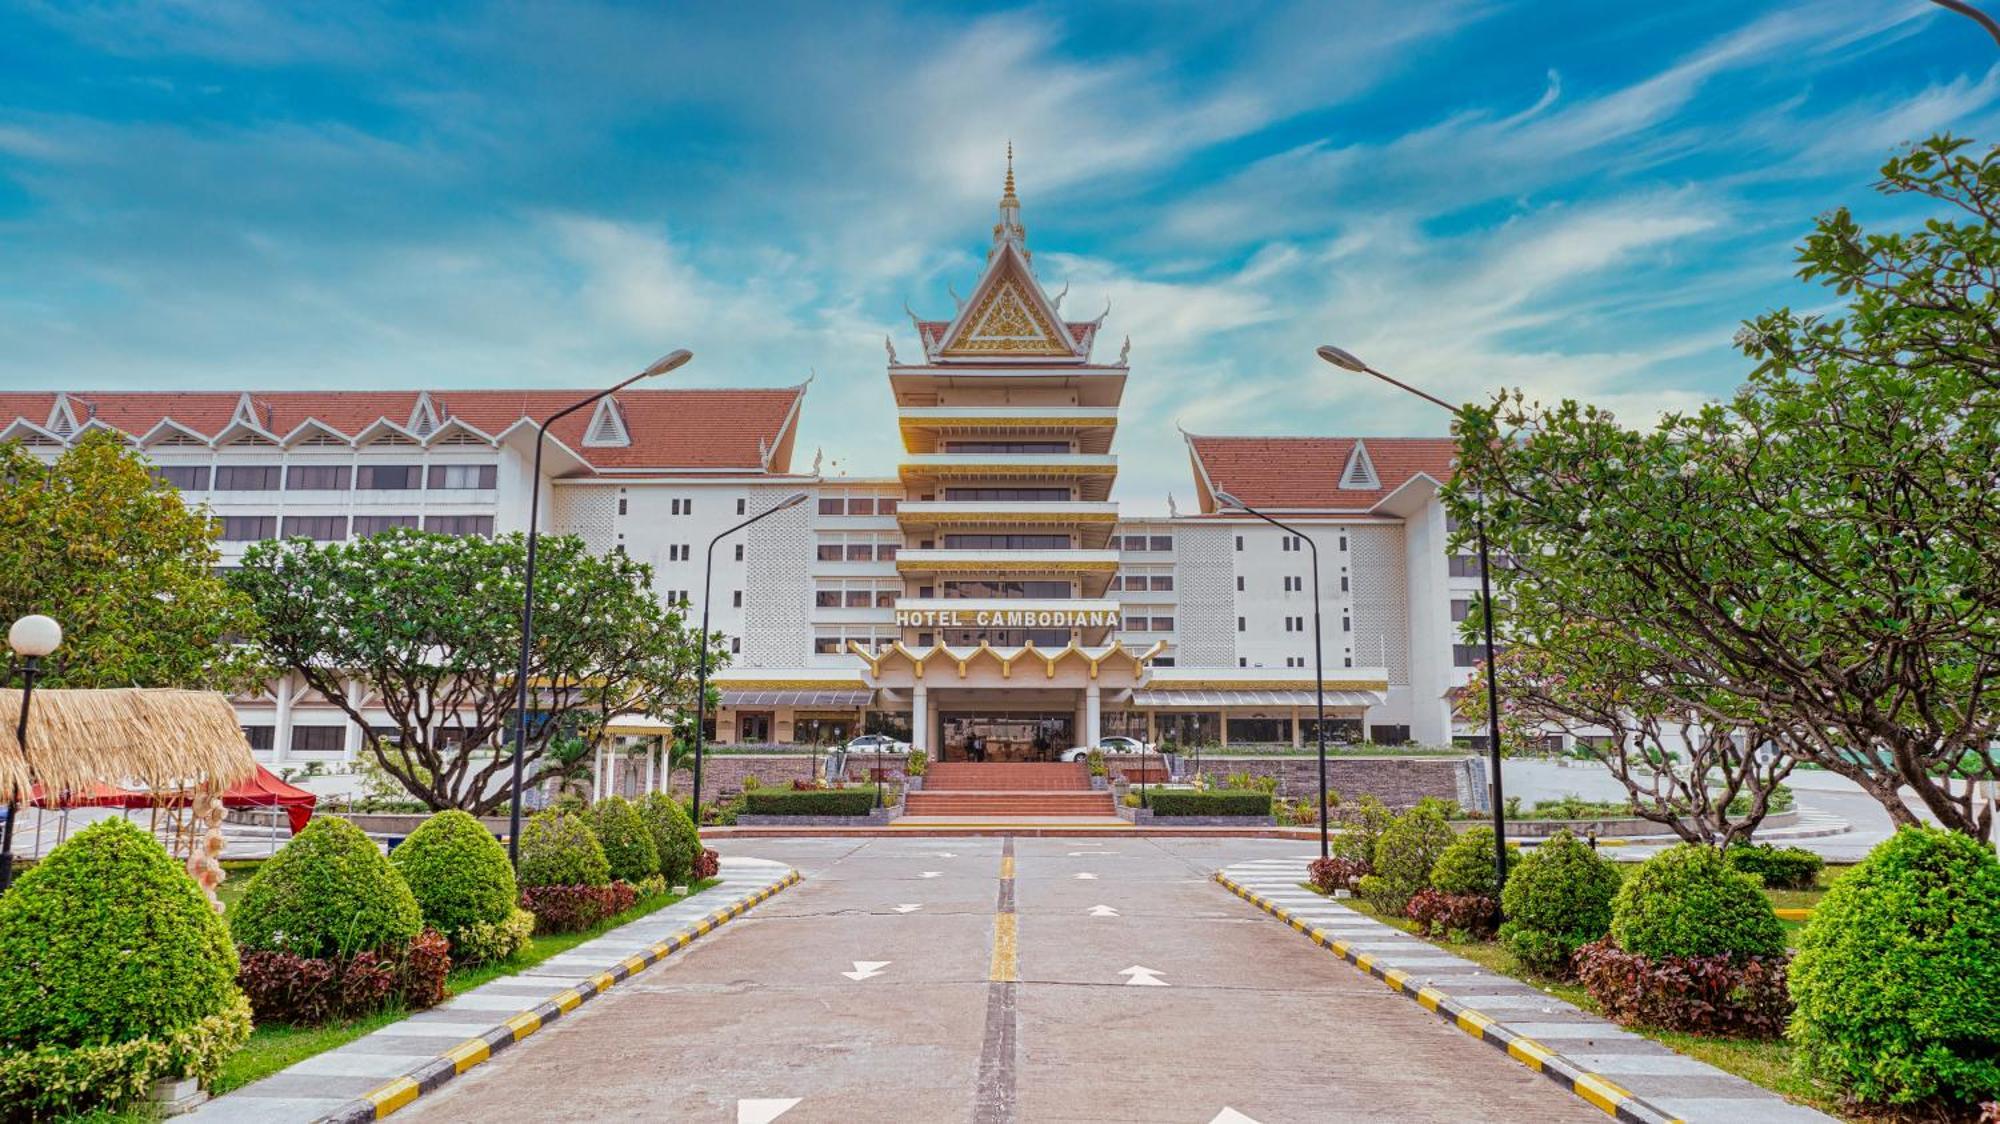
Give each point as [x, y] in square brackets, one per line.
[666, 363]
[32, 637]
[701, 665]
[1319, 660]
[1348, 361]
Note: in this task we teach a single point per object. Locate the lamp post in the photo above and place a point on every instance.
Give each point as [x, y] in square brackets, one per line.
[666, 363]
[1319, 657]
[32, 637]
[1348, 361]
[701, 665]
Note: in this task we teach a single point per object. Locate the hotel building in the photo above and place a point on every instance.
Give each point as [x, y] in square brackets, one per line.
[988, 595]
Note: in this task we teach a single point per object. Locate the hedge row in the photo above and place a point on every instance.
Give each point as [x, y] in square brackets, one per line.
[1212, 802]
[821, 802]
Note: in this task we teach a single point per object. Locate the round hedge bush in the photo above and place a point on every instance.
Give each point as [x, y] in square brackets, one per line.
[674, 836]
[1688, 901]
[1556, 901]
[330, 892]
[628, 845]
[558, 848]
[459, 874]
[107, 940]
[1896, 983]
[1404, 855]
[1466, 867]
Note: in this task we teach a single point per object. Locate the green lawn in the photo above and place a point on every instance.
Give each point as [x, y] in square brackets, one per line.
[272, 1048]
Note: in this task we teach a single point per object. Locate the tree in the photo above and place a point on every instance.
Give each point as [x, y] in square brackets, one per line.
[430, 625]
[1814, 557]
[95, 541]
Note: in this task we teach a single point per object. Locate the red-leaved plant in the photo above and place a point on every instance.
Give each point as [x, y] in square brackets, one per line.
[1724, 994]
[707, 864]
[1328, 875]
[1438, 914]
[307, 990]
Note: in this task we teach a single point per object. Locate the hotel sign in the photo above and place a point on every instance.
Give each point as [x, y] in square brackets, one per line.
[1006, 618]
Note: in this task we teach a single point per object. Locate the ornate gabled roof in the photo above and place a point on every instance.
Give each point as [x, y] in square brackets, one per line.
[1009, 315]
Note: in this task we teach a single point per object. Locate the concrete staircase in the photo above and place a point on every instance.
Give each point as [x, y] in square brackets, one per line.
[962, 789]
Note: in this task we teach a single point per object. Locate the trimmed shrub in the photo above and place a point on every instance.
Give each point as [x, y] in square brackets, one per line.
[628, 846]
[1466, 866]
[484, 943]
[558, 848]
[1404, 855]
[674, 836]
[1720, 994]
[1456, 916]
[1213, 802]
[1556, 901]
[1781, 868]
[1362, 826]
[114, 972]
[825, 802]
[460, 877]
[330, 892]
[1687, 901]
[1897, 980]
[1336, 873]
[707, 865]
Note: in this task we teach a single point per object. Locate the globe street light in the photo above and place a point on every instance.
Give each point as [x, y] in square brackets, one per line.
[701, 665]
[1348, 361]
[665, 363]
[32, 637]
[1319, 660]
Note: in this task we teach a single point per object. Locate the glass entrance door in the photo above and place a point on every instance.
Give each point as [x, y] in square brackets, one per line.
[1006, 737]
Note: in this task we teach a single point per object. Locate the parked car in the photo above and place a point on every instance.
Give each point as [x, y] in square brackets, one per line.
[1113, 746]
[867, 745]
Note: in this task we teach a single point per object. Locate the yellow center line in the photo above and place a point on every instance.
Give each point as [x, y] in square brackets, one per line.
[1003, 950]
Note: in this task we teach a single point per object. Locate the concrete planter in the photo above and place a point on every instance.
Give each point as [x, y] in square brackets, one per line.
[1098, 784]
[176, 1095]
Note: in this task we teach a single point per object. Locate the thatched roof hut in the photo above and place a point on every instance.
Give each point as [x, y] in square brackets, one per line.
[161, 738]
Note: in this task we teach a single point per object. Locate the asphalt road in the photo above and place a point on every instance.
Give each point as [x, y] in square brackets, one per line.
[910, 980]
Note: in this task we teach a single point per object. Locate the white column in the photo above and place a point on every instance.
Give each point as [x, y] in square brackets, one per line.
[649, 771]
[350, 746]
[1298, 735]
[281, 726]
[1093, 715]
[920, 720]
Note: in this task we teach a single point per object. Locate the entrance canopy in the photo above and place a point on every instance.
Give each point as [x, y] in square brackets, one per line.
[1218, 698]
[847, 700]
[1222, 688]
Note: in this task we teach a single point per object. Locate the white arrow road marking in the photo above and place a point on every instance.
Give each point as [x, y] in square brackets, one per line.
[866, 970]
[1231, 1116]
[945, 854]
[1074, 854]
[1103, 911]
[1085, 874]
[1143, 977]
[764, 1111]
[908, 907]
[931, 874]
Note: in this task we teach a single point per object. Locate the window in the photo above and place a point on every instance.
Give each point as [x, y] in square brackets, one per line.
[186, 477]
[1006, 542]
[1163, 624]
[318, 478]
[1135, 624]
[388, 477]
[1240, 661]
[246, 478]
[860, 552]
[826, 598]
[318, 739]
[248, 528]
[735, 645]
[1466, 655]
[1006, 447]
[886, 552]
[1239, 544]
[1116, 584]
[993, 495]
[1009, 590]
[1460, 610]
[886, 505]
[1241, 626]
[860, 598]
[829, 552]
[1346, 623]
[1343, 583]
[1160, 542]
[621, 505]
[1464, 566]
[687, 506]
[320, 528]
[861, 505]
[832, 505]
[260, 737]
[1239, 583]
[473, 477]
[1270, 731]
[739, 552]
[826, 645]
[365, 525]
[481, 525]
[1162, 582]
[739, 506]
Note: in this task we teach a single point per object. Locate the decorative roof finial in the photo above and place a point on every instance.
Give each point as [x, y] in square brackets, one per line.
[1009, 228]
[1009, 193]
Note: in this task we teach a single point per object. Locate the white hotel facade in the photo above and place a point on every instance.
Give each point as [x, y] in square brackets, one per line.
[990, 590]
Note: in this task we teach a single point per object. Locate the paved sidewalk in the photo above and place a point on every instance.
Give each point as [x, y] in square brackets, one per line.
[1627, 1076]
[380, 1072]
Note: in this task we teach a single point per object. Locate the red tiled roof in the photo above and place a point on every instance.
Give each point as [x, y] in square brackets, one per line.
[1303, 473]
[669, 429]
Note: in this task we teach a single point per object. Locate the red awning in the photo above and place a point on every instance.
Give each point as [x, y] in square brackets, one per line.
[262, 789]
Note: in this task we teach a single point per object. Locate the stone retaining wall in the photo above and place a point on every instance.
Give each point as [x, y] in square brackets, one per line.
[1398, 782]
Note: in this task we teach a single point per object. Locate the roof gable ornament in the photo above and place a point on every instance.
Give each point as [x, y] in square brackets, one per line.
[246, 412]
[607, 427]
[63, 421]
[1359, 475]
[425, 417]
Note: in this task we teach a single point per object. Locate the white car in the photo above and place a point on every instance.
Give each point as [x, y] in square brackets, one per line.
[868, 745]
[1114, 746]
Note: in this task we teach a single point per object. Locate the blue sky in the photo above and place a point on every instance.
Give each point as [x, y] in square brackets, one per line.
[1578, 198]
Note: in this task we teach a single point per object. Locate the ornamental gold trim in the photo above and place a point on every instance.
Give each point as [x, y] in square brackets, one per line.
[1009, 566]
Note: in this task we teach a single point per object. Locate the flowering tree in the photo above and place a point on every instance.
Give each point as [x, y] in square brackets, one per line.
[1813, 560]
[430, 626]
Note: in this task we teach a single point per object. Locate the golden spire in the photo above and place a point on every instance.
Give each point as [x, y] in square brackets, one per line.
[1009, 193]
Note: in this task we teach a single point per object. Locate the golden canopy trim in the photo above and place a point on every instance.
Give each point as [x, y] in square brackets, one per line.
[163, 738]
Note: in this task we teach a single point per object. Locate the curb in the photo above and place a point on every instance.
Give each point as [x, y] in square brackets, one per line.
[1607, 1096]
[428, 1077]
